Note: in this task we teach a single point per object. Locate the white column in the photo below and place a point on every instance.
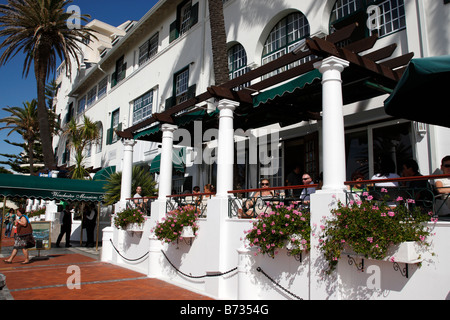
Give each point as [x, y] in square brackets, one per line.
[334, 170]
[165, 174]
[225, 152]
[127, 172]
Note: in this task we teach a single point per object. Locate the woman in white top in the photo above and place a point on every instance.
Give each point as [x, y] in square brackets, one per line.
[443, 188]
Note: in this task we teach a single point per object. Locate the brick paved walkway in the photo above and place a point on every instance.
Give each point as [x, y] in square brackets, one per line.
[49, 279]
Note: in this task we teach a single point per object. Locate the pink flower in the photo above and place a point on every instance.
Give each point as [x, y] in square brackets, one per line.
[384, 190]
[391, 214]
[399, 199]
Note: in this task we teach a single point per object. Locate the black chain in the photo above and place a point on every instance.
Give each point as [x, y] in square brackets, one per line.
[197, 277]
[132, 260]
[277, 284]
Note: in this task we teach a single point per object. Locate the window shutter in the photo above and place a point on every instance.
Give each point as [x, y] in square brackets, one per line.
[170, 102]
[191, 91]
[109, 136]
[194, 14]
[174, 33]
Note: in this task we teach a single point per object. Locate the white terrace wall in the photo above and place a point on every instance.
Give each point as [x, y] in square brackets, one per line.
[379, 280]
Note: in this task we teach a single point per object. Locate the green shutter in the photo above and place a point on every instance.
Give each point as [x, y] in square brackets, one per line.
[194, 14]
[174, 33]
[109, 136]
[170, 102]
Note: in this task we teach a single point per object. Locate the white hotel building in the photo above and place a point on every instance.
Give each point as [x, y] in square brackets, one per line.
[140, 70]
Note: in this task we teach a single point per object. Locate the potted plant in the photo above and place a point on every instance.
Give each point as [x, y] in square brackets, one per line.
[130, 219]
[178, 224]
[281, 227]
[375, 230]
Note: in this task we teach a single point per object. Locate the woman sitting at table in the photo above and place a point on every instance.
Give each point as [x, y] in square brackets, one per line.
[257, 202]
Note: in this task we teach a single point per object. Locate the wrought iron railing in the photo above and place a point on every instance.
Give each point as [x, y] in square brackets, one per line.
[198, 200]
[144, 204]
[420, 189]
[249, 203]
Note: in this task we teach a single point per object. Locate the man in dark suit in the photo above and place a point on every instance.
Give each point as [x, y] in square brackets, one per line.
[66, 225]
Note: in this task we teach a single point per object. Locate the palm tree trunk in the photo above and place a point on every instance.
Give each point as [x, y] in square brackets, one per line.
[40, 70]
[219, 41]
[31, 157]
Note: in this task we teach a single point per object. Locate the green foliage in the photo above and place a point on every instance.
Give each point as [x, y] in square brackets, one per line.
[370, 227]
[128, 216]
[281, 224]
[141, 177]
[171, 227]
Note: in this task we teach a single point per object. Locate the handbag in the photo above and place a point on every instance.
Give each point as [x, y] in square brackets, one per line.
[31, 242]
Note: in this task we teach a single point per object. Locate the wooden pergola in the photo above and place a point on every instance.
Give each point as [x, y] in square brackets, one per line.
[366, 78]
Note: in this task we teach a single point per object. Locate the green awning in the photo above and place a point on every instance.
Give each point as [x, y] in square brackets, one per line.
[179, 159]
[180, 121]
[104, 174]
[51, 188]
[287, 88]
[422, 92]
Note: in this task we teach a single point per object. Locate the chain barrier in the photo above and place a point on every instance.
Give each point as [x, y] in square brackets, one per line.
[207, 276]
[197, 277]
[277, 284]
[131, 260]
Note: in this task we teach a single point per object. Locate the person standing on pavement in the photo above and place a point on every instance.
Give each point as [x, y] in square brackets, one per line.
[66, 225]
[89, 222]
[9, 222]
[24, 239]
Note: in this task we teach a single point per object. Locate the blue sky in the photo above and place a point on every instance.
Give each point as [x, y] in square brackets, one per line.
[14, 89]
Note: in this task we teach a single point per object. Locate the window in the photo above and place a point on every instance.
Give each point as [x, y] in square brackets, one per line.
[143, 107]
[120, 72]
[284, 37]
[366, 147]
[181, 89]
[181, 86]
[91, 96]
[390, 17]
[187, 16]
[102, 87]
[81, 105]
[112, 136]
[237, 62]
[148, 49]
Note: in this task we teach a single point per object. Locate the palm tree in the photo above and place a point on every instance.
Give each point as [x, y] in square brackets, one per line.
[219, 41]
[81, 136]
[24, 121]
[141, 177]
[40, 29]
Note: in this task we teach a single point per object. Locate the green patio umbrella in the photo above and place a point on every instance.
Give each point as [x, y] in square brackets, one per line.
[423, 91]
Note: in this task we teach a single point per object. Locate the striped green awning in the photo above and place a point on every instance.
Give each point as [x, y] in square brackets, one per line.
[179, 159]
[287, 88]
[51, 188]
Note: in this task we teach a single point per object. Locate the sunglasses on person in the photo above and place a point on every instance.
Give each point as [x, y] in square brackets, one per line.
[264, 184]
[446, 165]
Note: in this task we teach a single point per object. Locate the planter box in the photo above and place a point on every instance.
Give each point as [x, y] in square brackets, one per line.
[135, 227]
[405, 252]
[187, 232]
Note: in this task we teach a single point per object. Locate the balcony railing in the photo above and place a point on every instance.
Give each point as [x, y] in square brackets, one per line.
[144, 204]
[425, 195]
[250, 203]
[198, 200]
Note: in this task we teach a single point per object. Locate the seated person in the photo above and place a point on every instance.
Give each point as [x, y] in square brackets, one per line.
[443, 189]
[386, 171]
[256, 203]
[306, 192]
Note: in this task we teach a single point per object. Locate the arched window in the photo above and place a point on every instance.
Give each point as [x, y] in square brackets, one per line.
[388, 16]
[284, 37]
[237, 62]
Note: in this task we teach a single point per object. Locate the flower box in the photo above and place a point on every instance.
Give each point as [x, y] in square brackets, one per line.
[187, 232]
[135, 227]
[405, 252]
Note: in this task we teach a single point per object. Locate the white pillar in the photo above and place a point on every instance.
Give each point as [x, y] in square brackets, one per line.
[334, 170]
[225, 152]
[127, 172]
[334, 175]
[165, 174]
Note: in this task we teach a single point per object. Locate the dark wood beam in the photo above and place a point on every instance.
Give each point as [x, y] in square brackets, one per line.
[224, 93]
